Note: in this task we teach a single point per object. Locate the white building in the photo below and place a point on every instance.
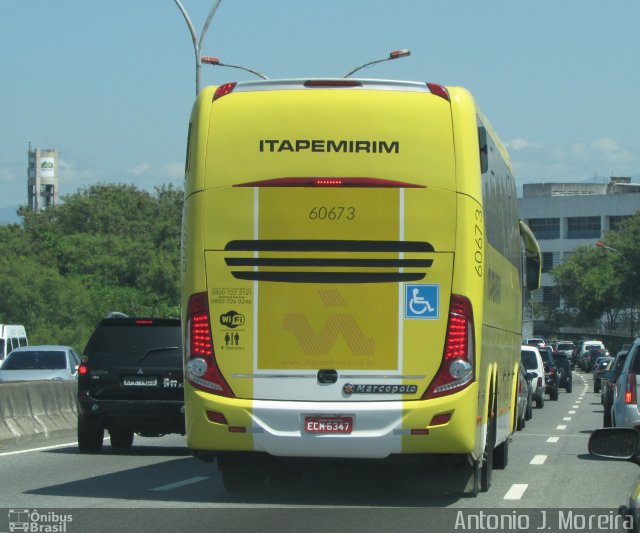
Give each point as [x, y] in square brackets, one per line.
[564, 216]
[42, 179]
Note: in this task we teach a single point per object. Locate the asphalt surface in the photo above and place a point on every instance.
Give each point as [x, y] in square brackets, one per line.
[157, 486]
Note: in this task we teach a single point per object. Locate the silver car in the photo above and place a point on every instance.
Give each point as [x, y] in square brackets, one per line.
[29, 363]
[624, 411]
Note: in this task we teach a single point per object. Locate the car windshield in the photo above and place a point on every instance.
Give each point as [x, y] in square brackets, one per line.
[529, 359]
[35, 360]
[565, 346]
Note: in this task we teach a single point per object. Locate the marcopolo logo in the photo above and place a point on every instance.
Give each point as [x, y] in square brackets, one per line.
[37, 522]
[232, 319]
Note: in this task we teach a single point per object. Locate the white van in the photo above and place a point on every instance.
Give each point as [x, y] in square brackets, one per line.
[11, 336]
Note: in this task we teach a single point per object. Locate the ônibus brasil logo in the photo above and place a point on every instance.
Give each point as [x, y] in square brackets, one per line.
[37, 522]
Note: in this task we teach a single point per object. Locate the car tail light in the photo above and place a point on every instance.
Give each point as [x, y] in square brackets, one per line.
[539, 382]
[552, 371]
[202, 369]
[83, 369]
[630, 392]
[457, 369]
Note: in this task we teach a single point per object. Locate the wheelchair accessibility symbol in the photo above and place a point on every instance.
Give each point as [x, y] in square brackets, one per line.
[422, 301]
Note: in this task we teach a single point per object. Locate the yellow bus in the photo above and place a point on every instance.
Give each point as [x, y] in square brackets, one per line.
[352, 261]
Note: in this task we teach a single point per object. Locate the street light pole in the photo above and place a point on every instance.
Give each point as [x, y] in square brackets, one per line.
[198, 43]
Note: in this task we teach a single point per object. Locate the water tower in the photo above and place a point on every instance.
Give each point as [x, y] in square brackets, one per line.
[42, 188]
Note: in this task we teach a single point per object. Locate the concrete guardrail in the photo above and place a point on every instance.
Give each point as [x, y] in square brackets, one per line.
[32, 410]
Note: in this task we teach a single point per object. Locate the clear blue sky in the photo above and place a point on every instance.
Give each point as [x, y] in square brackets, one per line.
[110, 84]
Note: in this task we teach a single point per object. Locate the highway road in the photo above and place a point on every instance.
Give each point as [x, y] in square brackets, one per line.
[157, 486]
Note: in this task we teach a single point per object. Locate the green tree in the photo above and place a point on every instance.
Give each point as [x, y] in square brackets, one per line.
[108, 247]
[592, 284]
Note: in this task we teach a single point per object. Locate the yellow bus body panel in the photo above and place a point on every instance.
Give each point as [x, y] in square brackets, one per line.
[284, 332]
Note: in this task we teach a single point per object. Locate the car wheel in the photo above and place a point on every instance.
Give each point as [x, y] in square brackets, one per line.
[569, 387]
[540, 402]
[529, 413]
[121, 439]
[553, 394]
[90, 434]
[520, 422]
[606, 422]
[596, 387]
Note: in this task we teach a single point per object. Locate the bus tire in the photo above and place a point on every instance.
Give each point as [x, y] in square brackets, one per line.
[487, 459]
[501, 455]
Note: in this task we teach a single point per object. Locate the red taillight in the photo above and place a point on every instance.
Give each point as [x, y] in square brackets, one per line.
[630, 392]
[223, 90]
[439, 90]
[539, 382]
[201, 369]
[83, 369]
[457, 369]
[552, 371]
[143, 322]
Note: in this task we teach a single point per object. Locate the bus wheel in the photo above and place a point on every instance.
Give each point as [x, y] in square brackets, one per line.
[501, 455]
[487, 465]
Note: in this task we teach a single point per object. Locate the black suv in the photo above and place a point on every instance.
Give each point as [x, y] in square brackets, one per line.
[563, 367]
[130, 381]
[551, 376]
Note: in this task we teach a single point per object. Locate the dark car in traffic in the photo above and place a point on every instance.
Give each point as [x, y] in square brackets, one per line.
[601, 366]
[525, 397]
[130, 381]
[608, 382]
[589, 360]
[565, 348]
[563, 366]
[551, 375]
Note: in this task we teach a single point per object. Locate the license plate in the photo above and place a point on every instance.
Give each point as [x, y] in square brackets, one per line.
[140, 382]
[328, 424]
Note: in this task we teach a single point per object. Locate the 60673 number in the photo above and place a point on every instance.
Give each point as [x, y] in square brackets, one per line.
[336, 212]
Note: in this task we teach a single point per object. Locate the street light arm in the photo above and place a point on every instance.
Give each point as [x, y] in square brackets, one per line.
[210, 60]
[600, 244]
[396, 54]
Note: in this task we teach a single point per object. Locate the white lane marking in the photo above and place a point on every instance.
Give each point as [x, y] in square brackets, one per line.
[516, 491]
[561, 426]
[182, 483]
[567, 418]
[43, 448]
[572, 412]
[538, 460]
[575, 406]
[553, 439]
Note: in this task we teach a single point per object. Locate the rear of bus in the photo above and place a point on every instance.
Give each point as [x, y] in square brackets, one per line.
[333, 274]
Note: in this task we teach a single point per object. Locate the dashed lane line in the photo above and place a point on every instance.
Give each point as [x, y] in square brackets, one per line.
[182, 483]
[516, 491]
[538, 460]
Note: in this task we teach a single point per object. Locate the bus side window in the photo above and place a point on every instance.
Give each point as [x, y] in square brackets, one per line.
[484, 149]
